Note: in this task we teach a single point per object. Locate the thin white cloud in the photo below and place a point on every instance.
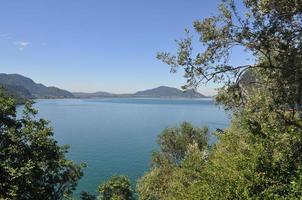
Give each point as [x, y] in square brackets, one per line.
[21, 45]
[4, 35]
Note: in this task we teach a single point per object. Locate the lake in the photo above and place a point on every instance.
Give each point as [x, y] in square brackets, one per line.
[117, 136]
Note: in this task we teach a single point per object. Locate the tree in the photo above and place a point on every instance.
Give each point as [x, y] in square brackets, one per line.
[182, 150]
[259, 155]
[7, 111]
[32, 164]
[269, 29]
[174, 142]
[116, 188]
[87, 196]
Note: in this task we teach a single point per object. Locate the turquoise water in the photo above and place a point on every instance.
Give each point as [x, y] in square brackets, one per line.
[117, 136]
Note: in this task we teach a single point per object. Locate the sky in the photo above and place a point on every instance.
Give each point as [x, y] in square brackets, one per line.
[98, 45]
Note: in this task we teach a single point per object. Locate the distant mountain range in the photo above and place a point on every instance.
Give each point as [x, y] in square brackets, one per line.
[159, 92]
[169, 92]
[23, 88]
[93, 95]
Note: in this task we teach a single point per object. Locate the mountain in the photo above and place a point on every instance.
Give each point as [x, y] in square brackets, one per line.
[169, 92]
[93, 95]
[13, 90]
[20, 94]
[22, 88]
[159, 92]
[25, 87]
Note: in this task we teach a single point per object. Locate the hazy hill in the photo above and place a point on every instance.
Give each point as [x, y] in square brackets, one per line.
[159, 92]
[169, 92]
[93, 95]
[20, 94]
[25, 86]
[22, 87]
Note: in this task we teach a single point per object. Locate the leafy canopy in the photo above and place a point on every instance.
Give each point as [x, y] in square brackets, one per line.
[270, 30]
[173, 143]
[180, 148]
[32, 164]
[259, 155]
[116, 188]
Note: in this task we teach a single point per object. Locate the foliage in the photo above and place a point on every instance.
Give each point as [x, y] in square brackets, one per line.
[259, 155]
[32, 164]
[173, 143]
[87, 196]
[180, 148]
[270, 30]
[116, 188]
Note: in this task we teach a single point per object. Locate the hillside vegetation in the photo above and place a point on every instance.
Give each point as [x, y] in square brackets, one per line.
[26, 88]
[259, 155]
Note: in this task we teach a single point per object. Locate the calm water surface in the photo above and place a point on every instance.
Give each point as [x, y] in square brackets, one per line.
[117, 136]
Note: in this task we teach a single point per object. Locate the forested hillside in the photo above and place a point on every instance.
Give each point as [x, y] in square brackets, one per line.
[27, 88]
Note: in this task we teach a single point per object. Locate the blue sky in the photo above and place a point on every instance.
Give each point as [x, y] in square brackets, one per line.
[97, 45]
